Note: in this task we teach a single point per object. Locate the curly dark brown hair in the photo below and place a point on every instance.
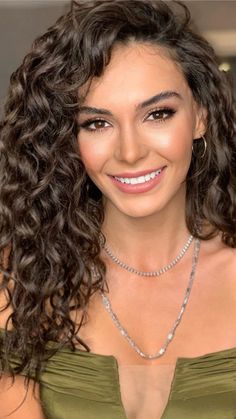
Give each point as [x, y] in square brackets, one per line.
[50, 211]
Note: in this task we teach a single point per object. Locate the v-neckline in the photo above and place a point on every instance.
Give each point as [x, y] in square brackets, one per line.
[119, 386]
[179, 361]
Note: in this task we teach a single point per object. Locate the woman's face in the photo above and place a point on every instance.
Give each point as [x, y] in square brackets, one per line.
[139, 116]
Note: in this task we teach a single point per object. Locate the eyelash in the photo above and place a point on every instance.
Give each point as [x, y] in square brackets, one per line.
[169, 111]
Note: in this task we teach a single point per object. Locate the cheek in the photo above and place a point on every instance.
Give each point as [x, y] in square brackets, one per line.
[174, 141]
[175, 145]
[93, 155]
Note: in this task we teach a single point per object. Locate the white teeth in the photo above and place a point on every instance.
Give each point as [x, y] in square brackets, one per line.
[140, 179]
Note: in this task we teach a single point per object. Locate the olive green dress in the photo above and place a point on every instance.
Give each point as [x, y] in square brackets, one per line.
[82, 385]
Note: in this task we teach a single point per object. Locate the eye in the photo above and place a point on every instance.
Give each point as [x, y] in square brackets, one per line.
[94, 125]
[160, 115]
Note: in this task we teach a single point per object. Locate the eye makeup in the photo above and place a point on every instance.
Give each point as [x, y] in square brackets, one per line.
[162, 115]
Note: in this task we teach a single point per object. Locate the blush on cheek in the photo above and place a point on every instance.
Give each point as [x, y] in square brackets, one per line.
[91, 156]
[173, 144]
[94, 152]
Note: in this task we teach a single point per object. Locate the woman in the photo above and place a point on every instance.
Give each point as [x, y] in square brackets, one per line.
[118, 214]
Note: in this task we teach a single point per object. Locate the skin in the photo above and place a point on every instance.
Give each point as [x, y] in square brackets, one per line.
[147, 227]
[132, 138]
[148, 230]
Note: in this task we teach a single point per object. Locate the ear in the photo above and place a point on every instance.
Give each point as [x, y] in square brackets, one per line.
[200, 122]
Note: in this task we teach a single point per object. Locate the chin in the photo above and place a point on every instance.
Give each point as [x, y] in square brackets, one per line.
[139, 211]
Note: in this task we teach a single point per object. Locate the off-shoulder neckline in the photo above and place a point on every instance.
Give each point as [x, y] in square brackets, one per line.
[180, 361]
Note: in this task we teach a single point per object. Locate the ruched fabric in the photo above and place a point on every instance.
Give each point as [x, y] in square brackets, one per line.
[204, 387]
[82, 385]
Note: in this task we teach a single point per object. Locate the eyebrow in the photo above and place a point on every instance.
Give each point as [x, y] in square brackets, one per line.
[151, 101]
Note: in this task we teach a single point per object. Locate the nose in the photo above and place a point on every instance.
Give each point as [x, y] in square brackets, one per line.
[130, 147]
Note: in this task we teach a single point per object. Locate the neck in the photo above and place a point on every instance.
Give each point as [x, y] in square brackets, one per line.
[146, 243]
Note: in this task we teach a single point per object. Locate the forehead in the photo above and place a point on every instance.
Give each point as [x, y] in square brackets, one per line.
[134, 72]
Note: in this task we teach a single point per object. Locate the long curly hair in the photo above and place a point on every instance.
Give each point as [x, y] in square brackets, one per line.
[50, 211]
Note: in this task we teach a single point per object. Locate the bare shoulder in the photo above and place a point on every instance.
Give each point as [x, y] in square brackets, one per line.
[19, 402]
[15, 400]
[226, 259]
[219, 263]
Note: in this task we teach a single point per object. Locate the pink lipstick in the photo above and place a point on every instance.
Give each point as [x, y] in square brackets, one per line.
[143, 186]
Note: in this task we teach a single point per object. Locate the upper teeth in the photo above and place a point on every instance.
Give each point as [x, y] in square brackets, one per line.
[140, 179]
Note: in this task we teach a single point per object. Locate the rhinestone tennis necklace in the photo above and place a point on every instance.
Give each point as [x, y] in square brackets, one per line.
[171, 333]
[155, 273]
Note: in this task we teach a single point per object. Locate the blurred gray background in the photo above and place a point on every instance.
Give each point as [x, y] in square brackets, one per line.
[21, 21]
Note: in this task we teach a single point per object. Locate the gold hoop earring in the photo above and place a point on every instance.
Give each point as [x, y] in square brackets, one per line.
[205, 148]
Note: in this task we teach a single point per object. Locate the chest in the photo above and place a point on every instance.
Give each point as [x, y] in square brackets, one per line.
[145, 389]
[207, 326]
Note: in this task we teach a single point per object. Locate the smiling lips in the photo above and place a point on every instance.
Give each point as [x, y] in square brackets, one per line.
[138, 179]
[143, 182]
